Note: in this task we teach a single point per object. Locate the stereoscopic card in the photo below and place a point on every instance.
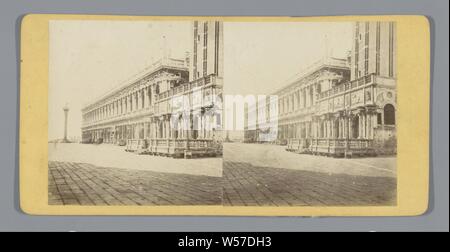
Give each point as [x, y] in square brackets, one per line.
[225, 116]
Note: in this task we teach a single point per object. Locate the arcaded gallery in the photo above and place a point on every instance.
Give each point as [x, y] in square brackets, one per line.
[342, 107]
[169, 109]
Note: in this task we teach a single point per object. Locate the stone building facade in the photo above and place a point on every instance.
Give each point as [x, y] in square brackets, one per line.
[343, 107]
[169, 109]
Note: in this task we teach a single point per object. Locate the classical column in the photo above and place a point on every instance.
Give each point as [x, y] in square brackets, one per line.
[145, 128]
[124, 105]
[360, 121]
[152, 129]
[349, 128]
[136, 97]
[130, 102]
[307, 126]
[314, 90]
[364, 128]
[118, 104]
[141, 98]
[372, 124]
[164, 129]
[180, 129]
[66, 114]
[338, 127]
[168, 129]
[332, 128]
[145, 92]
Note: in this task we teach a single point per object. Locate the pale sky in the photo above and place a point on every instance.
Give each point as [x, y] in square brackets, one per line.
[88, 58]
[261, 56]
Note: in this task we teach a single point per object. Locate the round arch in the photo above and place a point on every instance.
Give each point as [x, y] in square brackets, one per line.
[389, 114]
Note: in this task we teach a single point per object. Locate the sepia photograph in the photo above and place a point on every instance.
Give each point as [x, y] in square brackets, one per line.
[207, 117]
[314, 116]
[222, 113]
[133, 112]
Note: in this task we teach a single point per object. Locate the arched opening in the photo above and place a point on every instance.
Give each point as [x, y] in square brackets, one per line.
[322, 130]
[160, 129]
[389, 114]
[336, 129]
[355, 127]
[196, 126]
[141, 131]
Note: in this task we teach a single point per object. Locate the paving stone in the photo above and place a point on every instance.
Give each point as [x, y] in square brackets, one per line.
[86, 184]
[249, 185]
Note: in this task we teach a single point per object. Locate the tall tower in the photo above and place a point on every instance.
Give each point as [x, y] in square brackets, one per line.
[374, 49]
[66, 114]
[207, 53]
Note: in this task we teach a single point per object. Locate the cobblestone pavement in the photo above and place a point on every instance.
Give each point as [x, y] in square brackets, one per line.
[110, 155]
[248, 185]
[85, 184]
[268, 155]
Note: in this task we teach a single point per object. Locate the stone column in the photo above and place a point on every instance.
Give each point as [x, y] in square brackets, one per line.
[121, 105]
[130, 103]
[124, 105]
[307, 129]
[364, 124]
[145, 124]
[146, 99]
[360, 120]
[339, 128]
[372, 125]
[168, 129]
[113, 108]
[127, 104]
[138, 99]
[135, 101]
[332, 128]
[123, 109]
[314, 90]
[349, 128]
[66, 114]
[141, 99]
[152, 129]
